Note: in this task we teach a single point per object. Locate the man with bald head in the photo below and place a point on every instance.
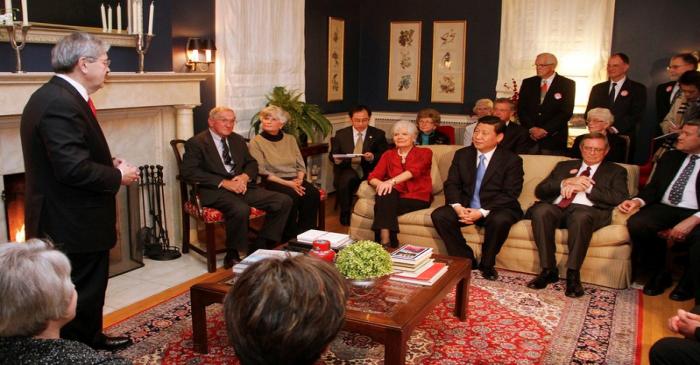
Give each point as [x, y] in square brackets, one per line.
[546, 104]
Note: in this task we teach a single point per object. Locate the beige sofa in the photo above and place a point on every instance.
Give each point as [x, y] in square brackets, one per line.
[607, 262]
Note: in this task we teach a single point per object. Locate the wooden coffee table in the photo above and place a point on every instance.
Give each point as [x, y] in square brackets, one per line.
[388, 312]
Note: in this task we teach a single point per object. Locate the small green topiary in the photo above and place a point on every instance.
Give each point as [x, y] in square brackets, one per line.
[363, 260]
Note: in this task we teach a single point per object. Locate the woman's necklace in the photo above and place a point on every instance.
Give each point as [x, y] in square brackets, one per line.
[403, 155]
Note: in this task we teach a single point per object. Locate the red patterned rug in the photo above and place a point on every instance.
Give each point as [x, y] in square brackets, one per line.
[508, 324]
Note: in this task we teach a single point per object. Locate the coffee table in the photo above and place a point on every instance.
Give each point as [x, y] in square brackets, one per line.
[388, 312]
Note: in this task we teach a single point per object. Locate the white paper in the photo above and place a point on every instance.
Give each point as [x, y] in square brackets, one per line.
[347, 155]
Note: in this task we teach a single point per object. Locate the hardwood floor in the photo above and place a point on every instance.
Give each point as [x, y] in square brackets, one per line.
[655, 313]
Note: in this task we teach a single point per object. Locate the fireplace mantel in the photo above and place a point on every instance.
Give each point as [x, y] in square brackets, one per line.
[139, 114]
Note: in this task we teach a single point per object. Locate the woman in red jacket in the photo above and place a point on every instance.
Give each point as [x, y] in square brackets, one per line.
[402, 180]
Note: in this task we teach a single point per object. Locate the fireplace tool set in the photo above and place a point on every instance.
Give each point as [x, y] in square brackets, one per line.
[153, 234]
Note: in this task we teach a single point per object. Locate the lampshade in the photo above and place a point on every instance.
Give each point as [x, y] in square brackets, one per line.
[193, 44]
[209, 44]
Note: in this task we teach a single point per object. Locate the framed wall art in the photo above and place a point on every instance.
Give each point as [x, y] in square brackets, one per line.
[404, 60]
[449, 55]
[336, 53]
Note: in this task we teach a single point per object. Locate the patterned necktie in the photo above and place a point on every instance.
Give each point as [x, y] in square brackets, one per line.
[565, 202]
[92, 107]
[357, 150]
[543, 90]
[480, 171]
[611, 96]
[677, 189]
[226, 154]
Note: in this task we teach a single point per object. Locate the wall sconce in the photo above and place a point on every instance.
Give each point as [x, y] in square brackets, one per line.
[200, 53]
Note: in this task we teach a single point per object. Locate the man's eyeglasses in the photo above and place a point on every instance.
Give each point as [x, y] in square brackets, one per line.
[593, 149]
[105, 61]
[540, 65]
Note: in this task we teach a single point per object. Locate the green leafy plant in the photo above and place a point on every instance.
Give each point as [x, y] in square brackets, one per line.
[304, 119]
[363, 260]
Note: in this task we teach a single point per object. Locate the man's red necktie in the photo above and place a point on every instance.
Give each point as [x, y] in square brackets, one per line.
[92, 107]
[565, 202]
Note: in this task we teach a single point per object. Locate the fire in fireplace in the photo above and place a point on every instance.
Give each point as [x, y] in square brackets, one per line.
[14, 206]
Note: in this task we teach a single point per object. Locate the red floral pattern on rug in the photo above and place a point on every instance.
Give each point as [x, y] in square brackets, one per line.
[508, 324]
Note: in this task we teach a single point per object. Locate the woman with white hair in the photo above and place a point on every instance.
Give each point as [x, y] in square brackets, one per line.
[402, 180]
[482, 108]
[38, 298]
[600, 120]
[279, 158]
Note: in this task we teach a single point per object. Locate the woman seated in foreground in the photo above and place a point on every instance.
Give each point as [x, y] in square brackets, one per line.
[285, 311]
[38, 298]
[428, 120]
[599, 120]
[482, 108]
[403, 183]
[279, 158]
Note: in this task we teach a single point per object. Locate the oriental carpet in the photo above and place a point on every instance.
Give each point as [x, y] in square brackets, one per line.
[508, 324]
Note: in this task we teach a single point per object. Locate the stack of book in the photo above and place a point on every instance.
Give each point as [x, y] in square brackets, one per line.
[337, 240]
[259, 255]
[413, 264]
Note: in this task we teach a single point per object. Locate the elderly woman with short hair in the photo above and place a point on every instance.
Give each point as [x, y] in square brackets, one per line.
[38, 298]
[482, 108]
[599, 120]
[428, 120]
[402, 181]
[279, 158]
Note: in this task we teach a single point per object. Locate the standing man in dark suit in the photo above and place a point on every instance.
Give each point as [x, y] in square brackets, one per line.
[482, 188]
[515, 138]
[219, 161]
[72, 178]
[546, 104]
[668, 92]
[348, 173]
[670, 201]
[625, 98]
[578, 195]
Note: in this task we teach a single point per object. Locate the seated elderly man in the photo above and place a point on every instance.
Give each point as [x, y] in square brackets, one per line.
[285, 311]
[38, 298]
[599, 120]
[220, 162]
[578, 195]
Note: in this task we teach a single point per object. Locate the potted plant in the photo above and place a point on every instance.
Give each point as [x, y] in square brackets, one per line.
[364, 262]
[306, 121]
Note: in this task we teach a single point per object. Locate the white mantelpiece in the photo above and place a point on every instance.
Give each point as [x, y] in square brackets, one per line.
[139, 114]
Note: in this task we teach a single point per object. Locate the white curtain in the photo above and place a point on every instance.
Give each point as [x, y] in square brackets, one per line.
[578, 32]
[260, 45]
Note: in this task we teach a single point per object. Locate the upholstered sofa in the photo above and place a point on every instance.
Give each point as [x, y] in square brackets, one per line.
[607, 262]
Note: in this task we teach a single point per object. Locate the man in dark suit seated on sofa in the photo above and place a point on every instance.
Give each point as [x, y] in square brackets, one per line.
[578, 195]
[482, 188]
[348, 173]
[670, 201]
[219, 161]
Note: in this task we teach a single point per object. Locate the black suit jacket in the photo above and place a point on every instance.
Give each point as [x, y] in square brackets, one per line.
[666, 169]
[610, 187]
[517, 139]
[500, 187]
[663, 100]
[202, 163]
[618, 148]
[628, 108]
[343, 142]
[71, 181]
[553, 114]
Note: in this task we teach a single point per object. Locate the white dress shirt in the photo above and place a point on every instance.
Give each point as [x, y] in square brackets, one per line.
[582, 196]
[618, 86]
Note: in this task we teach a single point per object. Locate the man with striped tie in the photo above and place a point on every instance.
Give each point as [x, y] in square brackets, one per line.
[670, 200]
[578, 195]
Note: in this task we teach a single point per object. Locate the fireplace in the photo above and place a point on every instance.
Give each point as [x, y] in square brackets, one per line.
[13, 196]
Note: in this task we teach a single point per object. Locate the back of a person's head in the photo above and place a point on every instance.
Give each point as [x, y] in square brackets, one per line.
[35, 285]
[285, 311]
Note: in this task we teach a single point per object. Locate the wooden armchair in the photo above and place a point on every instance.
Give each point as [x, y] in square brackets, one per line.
[192, 207]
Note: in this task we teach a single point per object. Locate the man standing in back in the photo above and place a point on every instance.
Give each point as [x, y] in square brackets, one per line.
[546, 104]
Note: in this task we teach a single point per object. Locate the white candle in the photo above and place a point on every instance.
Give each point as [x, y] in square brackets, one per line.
[109, 18]
[150, 19]
[25, 15]
[119, 18]
[139, 19]
[104, 18]
[129, 21]
[8, 6]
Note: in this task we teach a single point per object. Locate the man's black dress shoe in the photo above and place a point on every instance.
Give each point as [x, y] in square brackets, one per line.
[112, 343]
[574, 289]
[230, 260]
[657, 284]
[489, 273]
[547, 276]
[684, 290]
